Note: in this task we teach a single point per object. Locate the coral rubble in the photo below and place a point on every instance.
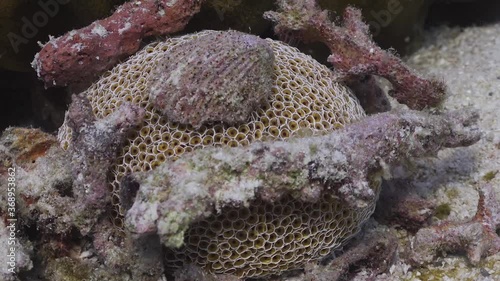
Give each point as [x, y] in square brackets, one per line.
[347, 164]
[477, 236]
[59, 234]
[87, 52]
[353, 52]
[42, 175]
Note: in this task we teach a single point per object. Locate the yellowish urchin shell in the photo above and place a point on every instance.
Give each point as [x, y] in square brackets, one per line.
[262, 239]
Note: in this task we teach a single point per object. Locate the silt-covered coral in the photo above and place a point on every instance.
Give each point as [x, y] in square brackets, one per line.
[353, 52]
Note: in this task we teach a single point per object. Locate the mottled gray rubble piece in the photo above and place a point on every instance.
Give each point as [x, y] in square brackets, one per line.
[93, 149]
[177, 193]
[353, 52]
[222, 76]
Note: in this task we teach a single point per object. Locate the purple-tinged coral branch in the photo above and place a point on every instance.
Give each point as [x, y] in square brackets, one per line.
[477, 236]
[353, 52]
[344, 163]
[88, 52]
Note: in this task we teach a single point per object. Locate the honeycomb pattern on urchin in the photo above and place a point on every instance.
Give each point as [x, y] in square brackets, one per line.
[305, 101]
[269, 238]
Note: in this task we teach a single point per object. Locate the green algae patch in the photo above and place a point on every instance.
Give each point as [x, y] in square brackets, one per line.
[442, 211]
[437, 274]
[68, 269]
[490, 175]
[452, 193]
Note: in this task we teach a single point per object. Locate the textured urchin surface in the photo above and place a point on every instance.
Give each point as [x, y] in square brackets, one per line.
[269, 238]
[222, 76]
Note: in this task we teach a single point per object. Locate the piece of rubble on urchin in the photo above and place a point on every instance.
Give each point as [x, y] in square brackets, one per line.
[304, 100]
[223, 76]
[273, 206]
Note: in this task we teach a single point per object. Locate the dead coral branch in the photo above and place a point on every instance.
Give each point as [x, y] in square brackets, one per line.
[176, 193]
[87, 52]
[478, 237]
[353, 51]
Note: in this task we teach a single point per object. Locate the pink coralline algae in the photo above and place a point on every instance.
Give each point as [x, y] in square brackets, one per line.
[85, 53]
[94, 145]
[343, 163]
[59, 199]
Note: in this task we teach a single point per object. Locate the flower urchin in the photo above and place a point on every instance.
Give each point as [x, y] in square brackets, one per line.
[302, 99]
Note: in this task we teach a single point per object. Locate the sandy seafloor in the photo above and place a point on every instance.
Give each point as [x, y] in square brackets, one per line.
[468, 60]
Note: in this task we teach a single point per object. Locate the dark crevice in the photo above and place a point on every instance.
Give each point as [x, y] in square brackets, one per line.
[463, 13]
